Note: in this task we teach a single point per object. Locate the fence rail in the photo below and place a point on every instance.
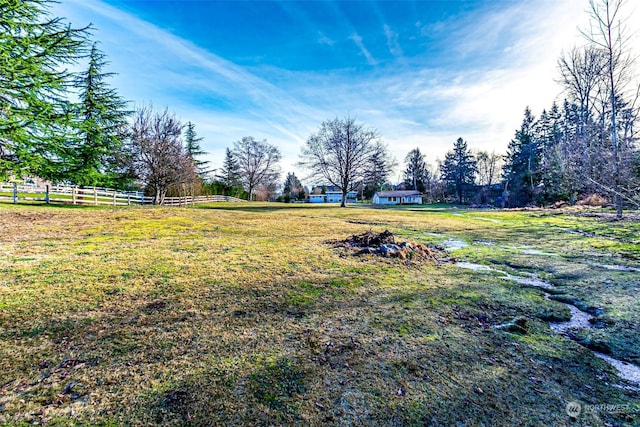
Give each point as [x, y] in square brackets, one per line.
[95, 196]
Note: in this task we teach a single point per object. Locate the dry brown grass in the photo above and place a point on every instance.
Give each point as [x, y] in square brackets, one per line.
[242, 315]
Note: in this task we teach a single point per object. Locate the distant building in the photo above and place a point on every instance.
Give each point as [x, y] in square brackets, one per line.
[330, 194]
[317, 198]
[404, 197]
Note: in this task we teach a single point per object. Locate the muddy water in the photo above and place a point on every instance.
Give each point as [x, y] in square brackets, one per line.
[530, 280]
[454, 244]
[614, 267]
[579, 319]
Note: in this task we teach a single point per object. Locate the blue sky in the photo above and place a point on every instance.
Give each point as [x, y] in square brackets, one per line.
[423, 73]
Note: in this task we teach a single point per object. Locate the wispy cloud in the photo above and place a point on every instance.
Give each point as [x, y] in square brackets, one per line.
[481, 71]
[392, 41]
[225, 100]
[363, 50]
[323, 39]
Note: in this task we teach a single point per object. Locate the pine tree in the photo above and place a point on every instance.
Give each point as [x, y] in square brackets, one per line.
[459, 168]
[521, 170]
[416, 175]
[229, 174]
[97, 159]
[35, 114]
[379, 169]
[194, 150]
[292, 188]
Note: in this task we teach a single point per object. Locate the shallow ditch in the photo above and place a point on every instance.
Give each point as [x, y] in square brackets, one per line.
[579, 319]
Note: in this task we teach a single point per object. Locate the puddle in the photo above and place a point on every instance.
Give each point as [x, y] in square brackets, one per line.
[579, 319]
[454, 244]
[474, 267]
[531, 280]
[599, 254]
[451, 244]
[614, 267]
[537, 252]
[626, 370]
[570, 231]
[495, 221]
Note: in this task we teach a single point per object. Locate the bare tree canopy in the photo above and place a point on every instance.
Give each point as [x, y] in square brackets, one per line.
[608, 33]
[489, 167]
[257, 163]
[340, 153]
[159, 158]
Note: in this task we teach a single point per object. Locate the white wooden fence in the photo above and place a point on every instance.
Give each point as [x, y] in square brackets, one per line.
[94, 196]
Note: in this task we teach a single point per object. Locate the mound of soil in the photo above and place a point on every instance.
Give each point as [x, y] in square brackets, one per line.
[385, 244]
[370, 239]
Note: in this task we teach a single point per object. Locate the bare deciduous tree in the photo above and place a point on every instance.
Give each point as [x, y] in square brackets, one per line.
[257, 163]
[158, 156]
[340, 153]
[489, 167]
[608, 33]
[581, 72]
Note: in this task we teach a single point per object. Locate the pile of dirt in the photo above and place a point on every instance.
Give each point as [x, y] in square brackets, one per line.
[385, 244]
[370, 239]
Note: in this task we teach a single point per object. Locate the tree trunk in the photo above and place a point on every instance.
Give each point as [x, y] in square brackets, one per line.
[343, 203]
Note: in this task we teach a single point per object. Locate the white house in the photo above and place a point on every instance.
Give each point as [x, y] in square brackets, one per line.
[405, 197]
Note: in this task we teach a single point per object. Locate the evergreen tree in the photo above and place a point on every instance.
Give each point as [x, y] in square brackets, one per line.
[194, 150]
[378, 171]
[521, 170]
[459, 168]
[416, 175]
[35, 114]
[229, 174]
[97, 158]
[292, 188]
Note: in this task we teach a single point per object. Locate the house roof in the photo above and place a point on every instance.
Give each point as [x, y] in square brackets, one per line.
[402, 193]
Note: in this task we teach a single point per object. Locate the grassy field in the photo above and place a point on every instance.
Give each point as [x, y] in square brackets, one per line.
[242, 314]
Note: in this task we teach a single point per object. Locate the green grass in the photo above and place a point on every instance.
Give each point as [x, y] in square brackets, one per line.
[242, 314]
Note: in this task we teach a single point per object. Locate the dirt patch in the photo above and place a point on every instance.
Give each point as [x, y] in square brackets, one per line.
[385, 244]
[370, 239]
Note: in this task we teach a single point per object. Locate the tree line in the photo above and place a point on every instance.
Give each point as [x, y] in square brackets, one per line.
[588, 144]
[74, 127]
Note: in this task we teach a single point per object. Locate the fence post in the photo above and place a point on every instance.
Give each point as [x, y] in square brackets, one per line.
[95, 196]
[114, 197]
[128, 199]
[46, 195]
[15, 193]
[74, 192]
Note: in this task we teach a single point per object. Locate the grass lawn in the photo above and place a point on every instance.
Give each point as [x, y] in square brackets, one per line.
[241, 314]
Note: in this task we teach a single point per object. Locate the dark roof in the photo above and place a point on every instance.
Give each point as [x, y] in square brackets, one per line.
[403, 193]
